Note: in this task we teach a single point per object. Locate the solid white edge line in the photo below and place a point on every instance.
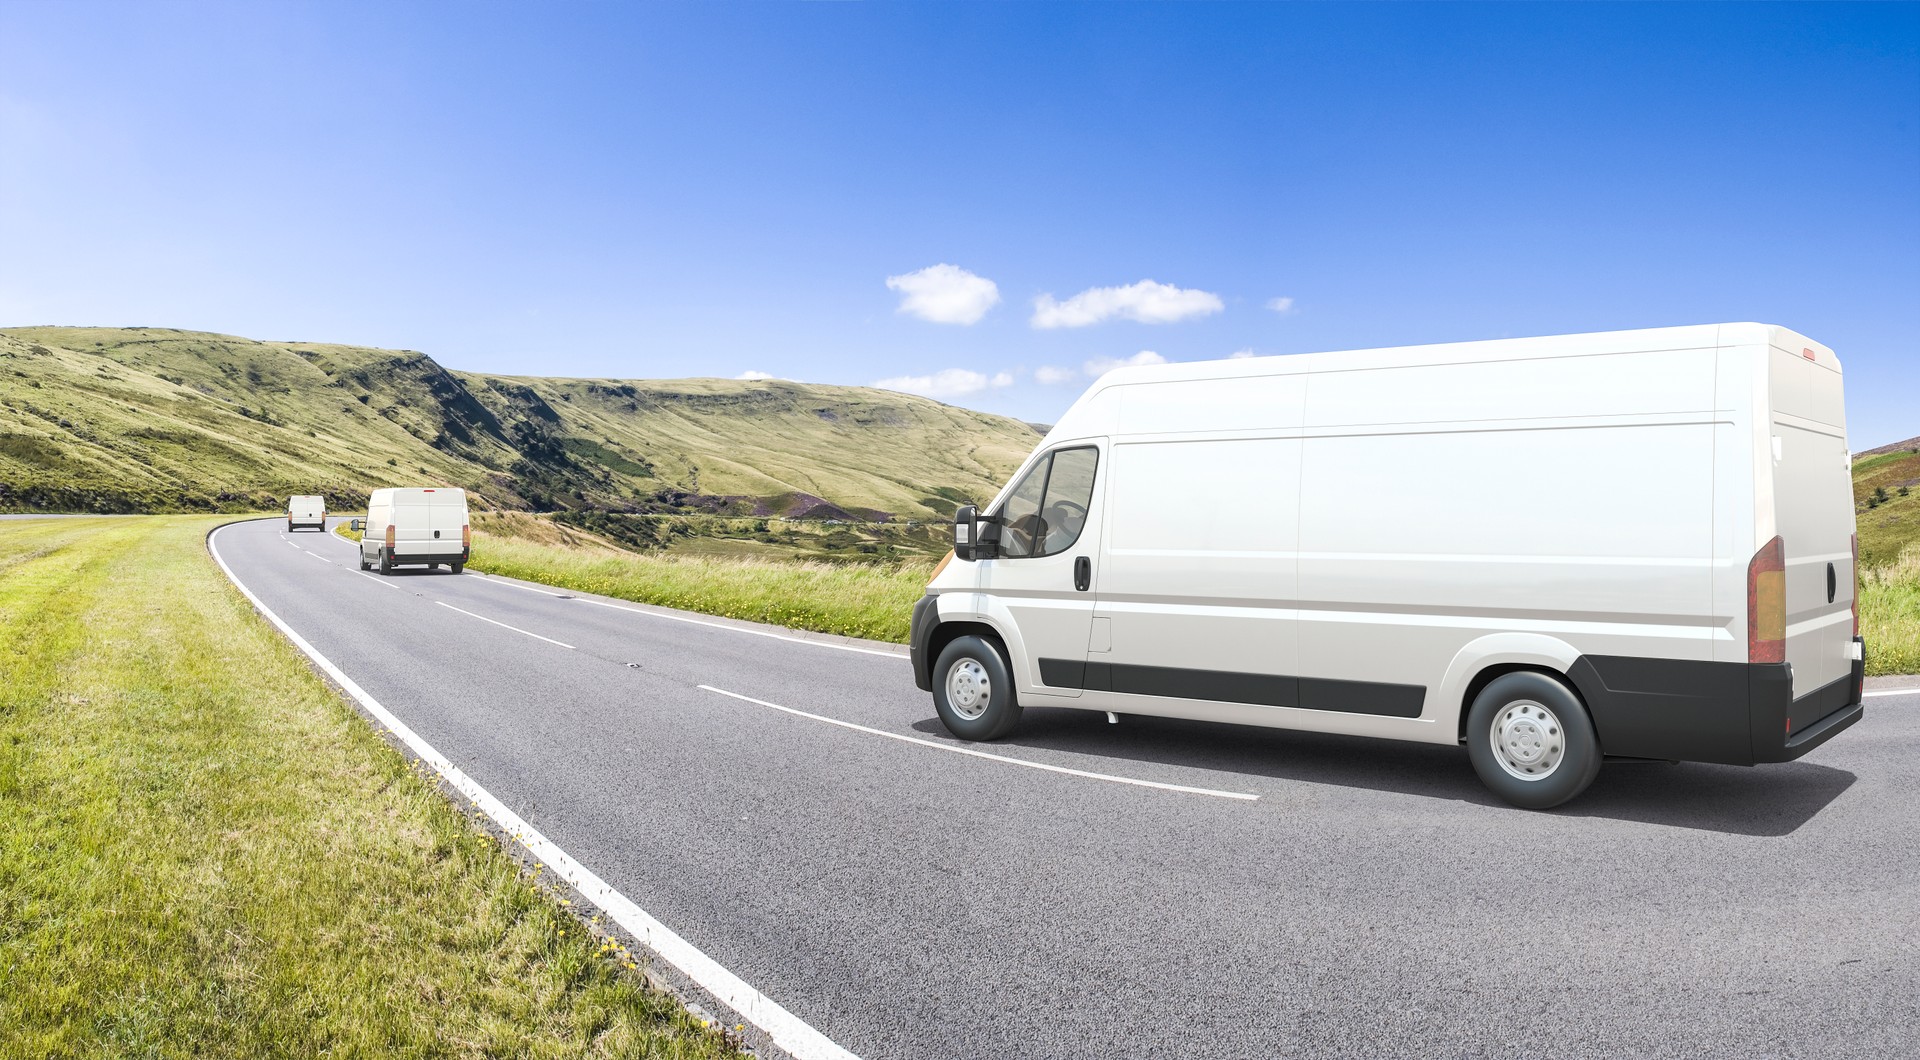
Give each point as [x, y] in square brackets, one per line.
[495, 579]
[788, 1031]
[1892, 692]
[1241, 795]
[503, 625]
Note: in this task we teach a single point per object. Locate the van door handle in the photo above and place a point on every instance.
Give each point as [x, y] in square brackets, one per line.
[1833, 583]
[1082, 573]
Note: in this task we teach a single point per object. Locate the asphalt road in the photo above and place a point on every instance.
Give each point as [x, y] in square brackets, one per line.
[1374, 900]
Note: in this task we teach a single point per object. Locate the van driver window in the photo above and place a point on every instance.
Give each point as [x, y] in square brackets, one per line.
[1069, 492]
[1045, 513]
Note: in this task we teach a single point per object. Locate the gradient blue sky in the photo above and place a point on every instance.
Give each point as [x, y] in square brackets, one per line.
[705, 190]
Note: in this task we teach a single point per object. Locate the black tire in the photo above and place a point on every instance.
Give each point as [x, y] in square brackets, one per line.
[386, 562]
[1549, 752]
[456, 567]
[992, 711]
[363, 561]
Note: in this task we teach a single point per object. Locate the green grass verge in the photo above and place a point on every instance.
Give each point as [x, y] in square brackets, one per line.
[1890, 615]
[874, 601]
[205, 852]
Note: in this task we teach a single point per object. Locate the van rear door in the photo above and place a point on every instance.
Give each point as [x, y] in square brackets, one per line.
[1813, 509]
[446, 514]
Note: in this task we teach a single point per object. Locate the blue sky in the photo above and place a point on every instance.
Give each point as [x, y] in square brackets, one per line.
[654, 191]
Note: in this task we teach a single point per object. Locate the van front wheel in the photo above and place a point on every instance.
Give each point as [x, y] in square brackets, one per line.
[973, 691]
[1531, 741]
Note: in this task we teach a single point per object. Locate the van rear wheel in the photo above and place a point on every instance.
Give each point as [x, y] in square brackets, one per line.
[1531, 741]
[973, 690]
[456, 567]
[386, 562]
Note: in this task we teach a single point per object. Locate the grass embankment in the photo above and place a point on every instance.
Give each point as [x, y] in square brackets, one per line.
[1890, 615]
[204, 851]
[873, 601]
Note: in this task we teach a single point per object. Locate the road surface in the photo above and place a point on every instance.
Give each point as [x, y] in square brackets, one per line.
[1275, 894]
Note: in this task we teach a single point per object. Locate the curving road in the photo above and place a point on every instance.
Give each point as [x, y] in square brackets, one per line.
[1163, 888]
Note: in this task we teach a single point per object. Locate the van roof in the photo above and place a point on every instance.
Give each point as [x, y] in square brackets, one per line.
[441, 492]
[1648, 340]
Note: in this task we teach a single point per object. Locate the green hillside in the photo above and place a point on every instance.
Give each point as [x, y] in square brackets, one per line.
[156, 419]
[1889, 522]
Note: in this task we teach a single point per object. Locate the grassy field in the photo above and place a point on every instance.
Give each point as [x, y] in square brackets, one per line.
[158, 419]
[856, 600]
[204, 852]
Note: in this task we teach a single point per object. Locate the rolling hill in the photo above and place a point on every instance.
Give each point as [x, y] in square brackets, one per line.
[157, 419]
[1888, 519]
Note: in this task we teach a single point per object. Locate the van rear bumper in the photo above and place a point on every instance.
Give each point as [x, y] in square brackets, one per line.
[1734, 713]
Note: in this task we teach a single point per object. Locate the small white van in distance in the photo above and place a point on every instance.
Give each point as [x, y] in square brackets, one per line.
[1637, 544]
[306, 510]
[416, 528]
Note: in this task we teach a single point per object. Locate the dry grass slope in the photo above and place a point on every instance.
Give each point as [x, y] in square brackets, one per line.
[156, 419]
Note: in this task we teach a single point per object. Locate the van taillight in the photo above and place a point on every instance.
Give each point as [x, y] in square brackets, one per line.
[1767, 604]
[466, 536]
[389, 537]
[1856, 585]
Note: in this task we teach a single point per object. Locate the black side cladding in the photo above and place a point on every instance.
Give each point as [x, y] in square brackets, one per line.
[1225, 686]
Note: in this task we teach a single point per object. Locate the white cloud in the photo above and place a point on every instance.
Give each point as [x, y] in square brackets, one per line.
[1100, 366]
[750, 374]
[1147, 302]
[1283, 306]
[1050, 375]
[945, 294]
[947, 383]
[1241, 355]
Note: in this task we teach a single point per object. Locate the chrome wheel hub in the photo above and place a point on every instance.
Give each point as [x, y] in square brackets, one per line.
[969, 689]
[1528, 740]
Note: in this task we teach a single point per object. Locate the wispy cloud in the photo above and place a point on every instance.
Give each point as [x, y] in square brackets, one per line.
[1147, 302]
[1282, 306]
[1100, 366]
[1050, 375]
[945, 294]
[751, 375]
[947, 383]
[1241, 355]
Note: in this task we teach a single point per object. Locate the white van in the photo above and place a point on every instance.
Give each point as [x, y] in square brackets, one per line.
[306, 510]
[1636, 544]
[416, 527]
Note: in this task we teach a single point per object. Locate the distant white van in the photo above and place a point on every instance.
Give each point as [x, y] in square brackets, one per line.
[306, 510]
[1637, 544]
[418, 528]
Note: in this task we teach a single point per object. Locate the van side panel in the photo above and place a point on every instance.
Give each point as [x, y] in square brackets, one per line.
[1198, 573]
[1576, 503]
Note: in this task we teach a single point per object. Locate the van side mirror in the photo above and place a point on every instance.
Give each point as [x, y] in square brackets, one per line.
[986, 534]
[963, 532]
[357, 525]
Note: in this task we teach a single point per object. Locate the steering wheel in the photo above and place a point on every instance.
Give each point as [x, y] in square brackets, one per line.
[1074, 512]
